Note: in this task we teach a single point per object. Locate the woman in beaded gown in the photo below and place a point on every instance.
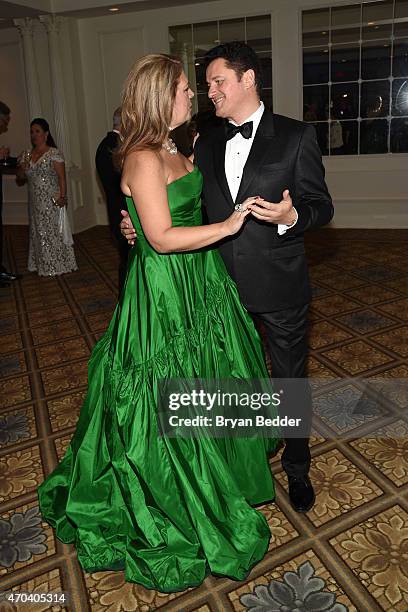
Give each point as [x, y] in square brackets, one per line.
[44, 171]
[167, 510]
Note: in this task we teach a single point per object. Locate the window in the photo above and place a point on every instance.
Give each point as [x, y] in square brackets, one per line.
[355, 77]
[191, 43]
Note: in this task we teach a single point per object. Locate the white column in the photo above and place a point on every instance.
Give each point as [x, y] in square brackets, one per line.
[25, 27]
[53, 25]
[287, 60]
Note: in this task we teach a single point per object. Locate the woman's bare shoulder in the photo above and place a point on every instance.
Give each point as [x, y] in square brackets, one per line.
[144, 160]
[142, 166]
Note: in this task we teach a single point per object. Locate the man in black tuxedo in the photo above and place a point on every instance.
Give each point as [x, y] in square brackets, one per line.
[278, 158]
[115, 200]
[5, 276]
[260, 153]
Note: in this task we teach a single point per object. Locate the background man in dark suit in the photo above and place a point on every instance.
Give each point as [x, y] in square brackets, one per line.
[5, 162]
[115, 200]
[259, 152]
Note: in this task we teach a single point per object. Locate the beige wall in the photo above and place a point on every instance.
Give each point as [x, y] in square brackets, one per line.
[13, 94]
[369, 191]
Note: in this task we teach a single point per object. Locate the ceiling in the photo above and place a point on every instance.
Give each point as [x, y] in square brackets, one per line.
[79, 8]
[12, 10]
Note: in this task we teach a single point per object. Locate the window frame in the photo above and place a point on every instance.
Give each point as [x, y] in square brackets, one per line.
[247, 15]
[360, 43]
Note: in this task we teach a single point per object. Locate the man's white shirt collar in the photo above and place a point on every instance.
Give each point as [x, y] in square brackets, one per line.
[255, 118]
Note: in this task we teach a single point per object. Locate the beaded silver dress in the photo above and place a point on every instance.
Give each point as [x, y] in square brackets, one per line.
[48, 255]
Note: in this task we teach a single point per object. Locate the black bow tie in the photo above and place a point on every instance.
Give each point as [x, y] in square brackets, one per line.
[245, 129]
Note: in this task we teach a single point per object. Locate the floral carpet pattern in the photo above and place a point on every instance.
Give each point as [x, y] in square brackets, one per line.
[349, 553]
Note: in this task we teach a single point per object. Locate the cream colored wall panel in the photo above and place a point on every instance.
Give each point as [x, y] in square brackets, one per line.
[13, 92]
[119, 51]
[17, 137]
[15, 210]
[370, 213]
[81, 173]
[16, 213]
[43, 71]
[370, 191]
[106, 56]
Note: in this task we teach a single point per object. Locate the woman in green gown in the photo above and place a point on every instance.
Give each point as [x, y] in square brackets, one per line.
[166, 510]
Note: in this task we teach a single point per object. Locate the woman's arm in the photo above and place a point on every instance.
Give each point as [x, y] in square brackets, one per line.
[59, 168]
[21, 177]
[145, 180]
[22, 164]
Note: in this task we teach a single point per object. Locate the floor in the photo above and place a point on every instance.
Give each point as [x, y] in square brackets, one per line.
[349, 553]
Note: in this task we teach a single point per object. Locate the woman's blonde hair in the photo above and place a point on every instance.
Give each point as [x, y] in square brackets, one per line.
[147, 103]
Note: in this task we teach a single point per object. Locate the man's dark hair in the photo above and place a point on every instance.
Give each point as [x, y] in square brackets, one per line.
[4, 109]
[240, 57]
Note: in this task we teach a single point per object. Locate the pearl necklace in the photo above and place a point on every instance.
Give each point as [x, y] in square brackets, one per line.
[170, 146]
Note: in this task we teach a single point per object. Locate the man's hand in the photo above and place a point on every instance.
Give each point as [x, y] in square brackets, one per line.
[4, 152]
[278, 213]
[126, 228]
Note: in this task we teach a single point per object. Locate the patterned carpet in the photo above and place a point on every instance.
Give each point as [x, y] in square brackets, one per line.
[349, 553]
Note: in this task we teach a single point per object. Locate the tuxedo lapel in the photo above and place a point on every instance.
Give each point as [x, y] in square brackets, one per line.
[264, 144]
[219, 165]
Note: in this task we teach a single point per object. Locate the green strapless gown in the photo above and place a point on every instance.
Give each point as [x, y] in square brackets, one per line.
[166, 510]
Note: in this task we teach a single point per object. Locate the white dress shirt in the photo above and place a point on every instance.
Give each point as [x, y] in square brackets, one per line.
[236, 154]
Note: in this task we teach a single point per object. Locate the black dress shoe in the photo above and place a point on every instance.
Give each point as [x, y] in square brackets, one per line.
[7, 277]
[301, 493]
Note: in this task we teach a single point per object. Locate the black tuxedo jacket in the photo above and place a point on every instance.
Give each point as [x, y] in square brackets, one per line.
[270, 270]
[110, 179]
